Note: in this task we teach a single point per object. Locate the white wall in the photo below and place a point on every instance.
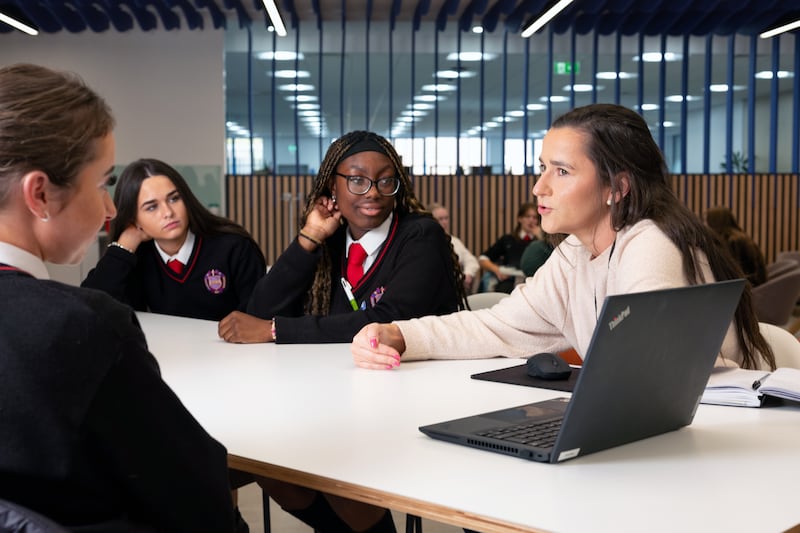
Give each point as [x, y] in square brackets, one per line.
[166, 89]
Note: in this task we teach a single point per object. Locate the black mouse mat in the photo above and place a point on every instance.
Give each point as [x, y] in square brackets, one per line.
[518, 375]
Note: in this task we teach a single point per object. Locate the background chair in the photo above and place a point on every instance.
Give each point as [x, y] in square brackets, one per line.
[15, 518]
[775, 299]
[482, 300]
[785, 345]
[781, 266]
[794, 255]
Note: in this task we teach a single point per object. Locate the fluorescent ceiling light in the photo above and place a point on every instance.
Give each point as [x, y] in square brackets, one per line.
[291, 74]
[452, 74]
[428, 98]
[780, 29]
[608, 75]
[275, 17]
[301, 98]
[439, 87]
[581, 87]
[281, 56]
[649, 107]
[296, 87]
[21, 26]
[544, 19]
[420, 106]
[516, 113]
[679, 98]
[556, 99]
[535, 107]
[477, 29]
[723, 87]
[767, 74]
[470, 56]
[306, 107]
[655, 57]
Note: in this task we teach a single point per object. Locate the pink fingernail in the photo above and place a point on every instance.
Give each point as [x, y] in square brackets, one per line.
[373, 343]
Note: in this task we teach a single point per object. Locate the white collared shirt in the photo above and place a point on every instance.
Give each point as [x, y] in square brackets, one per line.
[23, 260]
[372, 240]
[184, 254]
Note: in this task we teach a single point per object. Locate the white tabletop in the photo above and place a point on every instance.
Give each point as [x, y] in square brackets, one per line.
[305, 413]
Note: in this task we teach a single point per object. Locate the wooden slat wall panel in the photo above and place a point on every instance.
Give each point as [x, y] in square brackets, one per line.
[484, 207]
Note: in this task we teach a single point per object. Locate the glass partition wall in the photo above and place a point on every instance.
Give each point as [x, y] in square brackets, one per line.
[466, 102]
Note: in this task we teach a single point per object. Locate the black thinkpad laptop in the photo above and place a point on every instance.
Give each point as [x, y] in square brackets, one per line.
[643, 375]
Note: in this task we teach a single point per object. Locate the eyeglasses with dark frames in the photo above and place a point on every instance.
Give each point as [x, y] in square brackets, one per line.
[361, 185]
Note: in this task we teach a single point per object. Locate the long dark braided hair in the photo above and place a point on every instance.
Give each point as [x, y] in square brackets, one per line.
[318, 301]
[619, 142]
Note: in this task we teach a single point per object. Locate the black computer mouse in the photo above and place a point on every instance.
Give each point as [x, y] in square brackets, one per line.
[548, 366]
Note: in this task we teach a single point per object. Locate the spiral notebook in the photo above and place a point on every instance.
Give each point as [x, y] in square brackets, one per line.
[643, 375]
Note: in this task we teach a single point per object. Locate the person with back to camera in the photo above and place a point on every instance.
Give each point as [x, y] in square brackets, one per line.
[507, 251]
[320, 290]
[171, 255]
[92, 437]
[743, 249]
[604, 191]
[469, 263]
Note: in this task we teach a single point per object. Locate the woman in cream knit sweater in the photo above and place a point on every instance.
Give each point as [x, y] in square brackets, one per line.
[605, 197]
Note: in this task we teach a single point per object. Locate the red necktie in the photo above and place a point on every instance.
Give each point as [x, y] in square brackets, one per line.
[355, 263]
[175, 265]
[527, 238]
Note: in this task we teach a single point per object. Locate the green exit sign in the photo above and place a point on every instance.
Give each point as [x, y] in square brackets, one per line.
[566, 67]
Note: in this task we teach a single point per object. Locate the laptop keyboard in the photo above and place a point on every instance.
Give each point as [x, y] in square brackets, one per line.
[539, 434]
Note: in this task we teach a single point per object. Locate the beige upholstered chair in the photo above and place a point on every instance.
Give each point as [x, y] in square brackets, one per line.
[794, 255]
[781, 266]
[775, 299]
[481, 300]
[785, 346]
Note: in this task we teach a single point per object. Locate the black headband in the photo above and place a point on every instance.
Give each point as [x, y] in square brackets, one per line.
[367, 144]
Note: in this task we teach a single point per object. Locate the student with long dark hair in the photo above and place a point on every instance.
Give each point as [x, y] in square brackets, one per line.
[169, 254]
[604, 195]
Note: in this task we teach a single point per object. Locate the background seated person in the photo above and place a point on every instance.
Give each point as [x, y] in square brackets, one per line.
[507, 251]
[743, 248]
[469, 263]
[537, 251]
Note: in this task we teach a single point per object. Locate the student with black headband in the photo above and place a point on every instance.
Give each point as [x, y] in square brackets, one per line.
[367, 251]
[324, 289]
